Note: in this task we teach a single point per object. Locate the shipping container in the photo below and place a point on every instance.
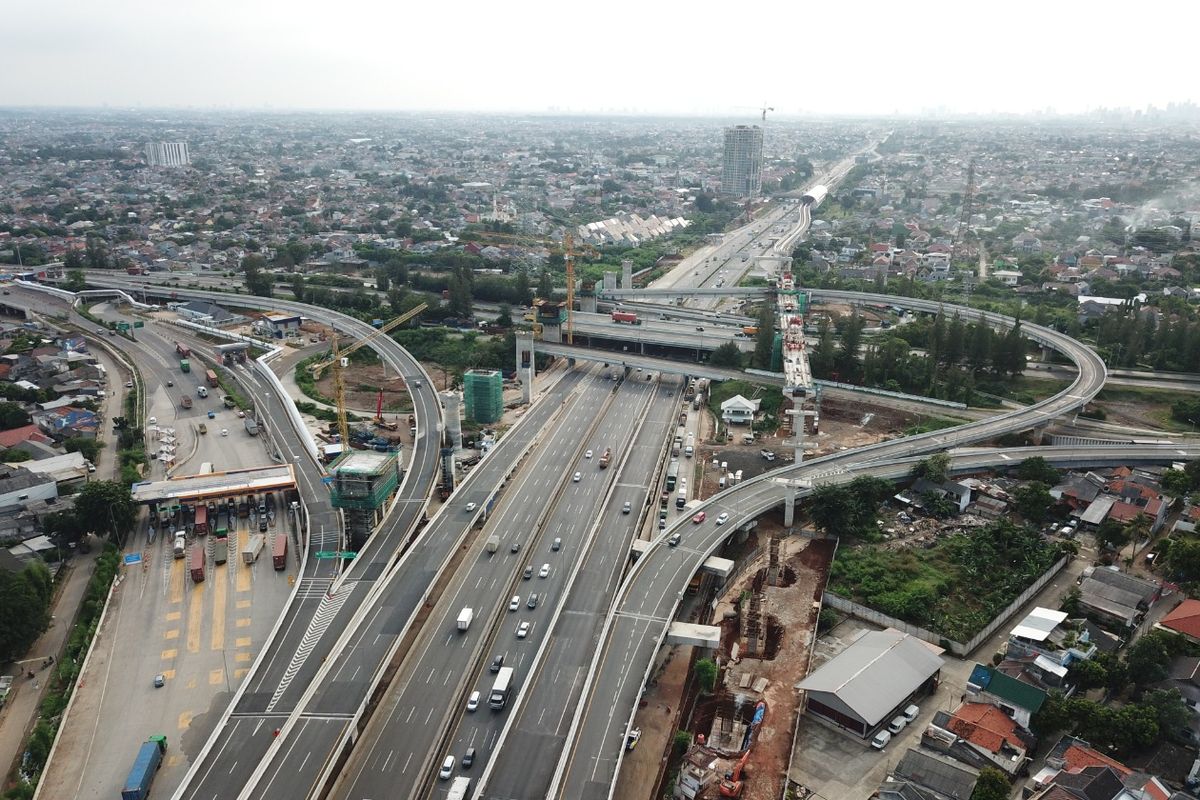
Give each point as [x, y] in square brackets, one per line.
[279, 551]
[196, 563]
[211, 377]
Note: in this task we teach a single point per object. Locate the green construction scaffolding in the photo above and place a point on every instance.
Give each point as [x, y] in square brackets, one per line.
[363, 480]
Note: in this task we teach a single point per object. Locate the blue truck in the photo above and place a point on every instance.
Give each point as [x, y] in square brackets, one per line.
[149, 759]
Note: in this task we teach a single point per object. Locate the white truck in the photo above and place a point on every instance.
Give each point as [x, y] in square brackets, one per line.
[180, 544]
[464, 618]
[459, 789]
[493, 543]
[254, 546]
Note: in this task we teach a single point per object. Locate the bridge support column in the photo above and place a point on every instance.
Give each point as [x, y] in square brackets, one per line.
[789, 507]
[626, 274]
[526, 365]
[587, 303]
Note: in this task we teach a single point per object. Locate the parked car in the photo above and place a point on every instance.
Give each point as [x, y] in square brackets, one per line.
[880, 740]
[912, 712]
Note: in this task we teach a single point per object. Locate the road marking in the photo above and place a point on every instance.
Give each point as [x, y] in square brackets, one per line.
[185, 719]
[243, 603]
[176, 585]
[243, 576]
[243, 622]
[241, 658]
[171, 634]
[173, 616]
[242, 641]
[217, 640]
[326, 613]
[216, 676]
[168, 674]
[195, 616]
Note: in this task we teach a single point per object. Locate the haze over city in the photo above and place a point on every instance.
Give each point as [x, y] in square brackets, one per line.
[859, 57]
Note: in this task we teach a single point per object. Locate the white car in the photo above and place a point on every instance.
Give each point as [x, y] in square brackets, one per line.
[588, 454]
[515, 603]
[473, 701]
[544, 572]
[447, 768]
[881, 739]
[896, 725]
[522, 630]
[224, 431]
[152, 420]
[471, 507]
[128, 384]
[723, 518]
[578, 475]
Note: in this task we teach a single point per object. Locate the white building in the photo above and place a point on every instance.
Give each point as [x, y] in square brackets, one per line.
[738, 410]
[167, 154]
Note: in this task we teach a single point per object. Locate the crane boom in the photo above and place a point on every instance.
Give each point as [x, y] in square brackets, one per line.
[318, 368]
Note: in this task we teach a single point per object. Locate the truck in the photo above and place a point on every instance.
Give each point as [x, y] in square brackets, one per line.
[185, 365]
[183, 350]
[690, 448]
[459, 788]
[145, 767]
[200, 525]
[220, 550]
[750, 330]
[605, 458]
[498, 699]
[672, 474]
[627, 317]
[251, 427]
[211, 378]
[253, 547]
[202, 391]
[228, 401]
[180, 549]
[185, 401]
[196, 563]
[676, 446]
[279, 551]
[493, 543]
[464, 618]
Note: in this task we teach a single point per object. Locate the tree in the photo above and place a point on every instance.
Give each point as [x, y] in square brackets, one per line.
[1033, 501]
[76, 282]
[825, 353]
[12, 416]
[96, 252]
[1088, 673]
[545, 286]
[297, 286]
[521, 287]
[25, 610]
[1054, 715]
[992, 784]
[934, 469]
[764, 340]
[459, 303]
[727, 355]
[258, 282]
[81, 444]
[108, 507]
[847, 360]
[1112, 535]
[1177, 482]
[706, 674]
[1148, 658]
[1036, 468]
[382, 280]
[504, 317]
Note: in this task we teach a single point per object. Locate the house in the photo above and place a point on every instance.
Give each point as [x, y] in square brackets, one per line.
[871, 681]
[206, 313]
[738, 410]
[68, 422]
[1075, 771]
[1009, 277]
[69, 469]
[957, 493]
[1184, 620]
[992, 733]
[1044, 633]
[1017, 699]
[26, 433]
[921, 774]
[1115, 596]
[281, 325]
[1078, 490]
[18, 485]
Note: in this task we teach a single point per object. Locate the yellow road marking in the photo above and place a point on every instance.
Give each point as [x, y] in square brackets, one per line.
[238, 674]
[185, 719]
[168, 674]
[218, 620]
[216, 676]
[244, 622]
[242, 641]
[172, 634]
[243, 576]
[191, 684]
[243, 657]
[176, 590]
[243, 603]
[166, 654]
[195, 615]
[174, 616]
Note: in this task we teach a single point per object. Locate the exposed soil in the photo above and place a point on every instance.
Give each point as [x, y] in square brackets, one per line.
[363, 383]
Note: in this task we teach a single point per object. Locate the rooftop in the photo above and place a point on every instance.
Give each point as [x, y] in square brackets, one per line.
[1039, 623]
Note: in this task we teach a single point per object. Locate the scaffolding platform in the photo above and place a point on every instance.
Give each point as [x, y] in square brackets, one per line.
[363, 480]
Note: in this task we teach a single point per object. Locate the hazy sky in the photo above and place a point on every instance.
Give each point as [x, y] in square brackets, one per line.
[846, 56]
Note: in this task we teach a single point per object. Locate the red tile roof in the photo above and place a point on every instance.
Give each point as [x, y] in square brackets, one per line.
[13, 437]
[1077, 758]
[1184, 618]
[985, 725]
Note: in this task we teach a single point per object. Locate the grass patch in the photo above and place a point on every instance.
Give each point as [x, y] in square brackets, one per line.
[1157, 403]
[953, 588]
[771, 396]
[304, 380]
[932, 424]
[230, 389]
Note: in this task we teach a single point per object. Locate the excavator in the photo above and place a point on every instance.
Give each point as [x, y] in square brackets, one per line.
[731, 784]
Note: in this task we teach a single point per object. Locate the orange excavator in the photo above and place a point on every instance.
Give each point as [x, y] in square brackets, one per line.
[731, 784]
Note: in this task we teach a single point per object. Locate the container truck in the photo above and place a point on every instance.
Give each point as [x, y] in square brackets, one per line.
[498, 699]
[253, 547]
[200, 524]
[183, 350]
[464, 618]
[279, 552]
[750, 330]
[185, 401]
[251, 427]
[180, 544]
[196, 563]
[627, 317]
[185, 365]
[211, 378]
[493, 543]
[605, 458]
[220, 550]
[145, 766]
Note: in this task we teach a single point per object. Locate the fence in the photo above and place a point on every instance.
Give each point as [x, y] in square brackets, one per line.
[957, 648]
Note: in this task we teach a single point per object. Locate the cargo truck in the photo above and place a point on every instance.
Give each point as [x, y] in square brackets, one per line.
[200, 523]
[185, 401]
[493, 543]
[627, 317]
[459, 789]
[220, 549]
[196, 563]
[605, 458]
[464, 618]
[180, 544]
[145, 766]
[498, 699]
[211, 377]
[253, 547]
[183, 350]
[279, 552]
[251, 427]
[185, 365]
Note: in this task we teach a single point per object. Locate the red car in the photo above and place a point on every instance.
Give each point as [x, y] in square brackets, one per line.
[700, 517]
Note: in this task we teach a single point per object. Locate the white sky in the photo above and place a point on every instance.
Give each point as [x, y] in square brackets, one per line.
[700, 57]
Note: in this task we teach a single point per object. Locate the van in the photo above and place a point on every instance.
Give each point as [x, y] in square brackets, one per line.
[202, 391]
[447, 768]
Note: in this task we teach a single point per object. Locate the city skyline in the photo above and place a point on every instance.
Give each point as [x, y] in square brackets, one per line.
[864, 58]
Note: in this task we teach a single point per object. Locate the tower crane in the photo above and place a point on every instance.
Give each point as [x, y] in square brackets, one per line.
[764, 109]
[341, 359]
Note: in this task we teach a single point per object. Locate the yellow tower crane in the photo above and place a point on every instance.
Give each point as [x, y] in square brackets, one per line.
[341, 359]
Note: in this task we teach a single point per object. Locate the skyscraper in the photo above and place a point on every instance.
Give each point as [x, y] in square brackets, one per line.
[742, 173]
[167, 154]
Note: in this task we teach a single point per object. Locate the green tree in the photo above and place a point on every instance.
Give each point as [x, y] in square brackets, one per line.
[727, 355]
[96, 252]
[80, 444]
[825, 353]
[1088, 674]
[504, 317]
[992, 784]
[681, 742]
[1033, 501]
[706, 674]
[460, 304]
[25, 611]
[14, 456]
[382, 280]
[76, 282]
[258, 281]
[1112, 534]
[545, 285]
[297, 286]
[521, 287]
[848, 363]
[934, 469]
[1148, 658]
[12, 416]
[764, 340]
[1036, 468]
[1054, 715]
[109, 508]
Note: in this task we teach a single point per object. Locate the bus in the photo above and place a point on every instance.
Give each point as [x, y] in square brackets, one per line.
[498, 699]
[672, 475]
[206, 468]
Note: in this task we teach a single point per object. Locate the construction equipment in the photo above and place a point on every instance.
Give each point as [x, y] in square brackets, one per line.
[731, 784]
[964, 218]
[341, 359]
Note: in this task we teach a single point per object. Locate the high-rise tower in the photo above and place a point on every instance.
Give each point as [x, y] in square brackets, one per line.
[742, 172]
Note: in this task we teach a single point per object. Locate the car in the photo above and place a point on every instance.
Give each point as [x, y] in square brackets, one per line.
[700, 517]
[625, 509]
[515, 603]
[447, 768]
[632, 738]
[203, 428]
[6, 291]
[151, 420]
[533, 600]
[528, 572]
[160, 681]
[880, 740]
[241, 414]
[111, 332]
[224, 431]
[468, 758]
[897, 724]
[170, 384]
[91, 467]
[212, 414]
[522, 630]
[556, 545]
[418, 384]
[473, 701]
[544, 571]
[662, 524]
[471, 507]
[723, 518]
[675, 539]
[912, 712]
[128, 384]
[497, 662]
[588, 454]
[578, 475]
[699, 328]
[516, 546]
